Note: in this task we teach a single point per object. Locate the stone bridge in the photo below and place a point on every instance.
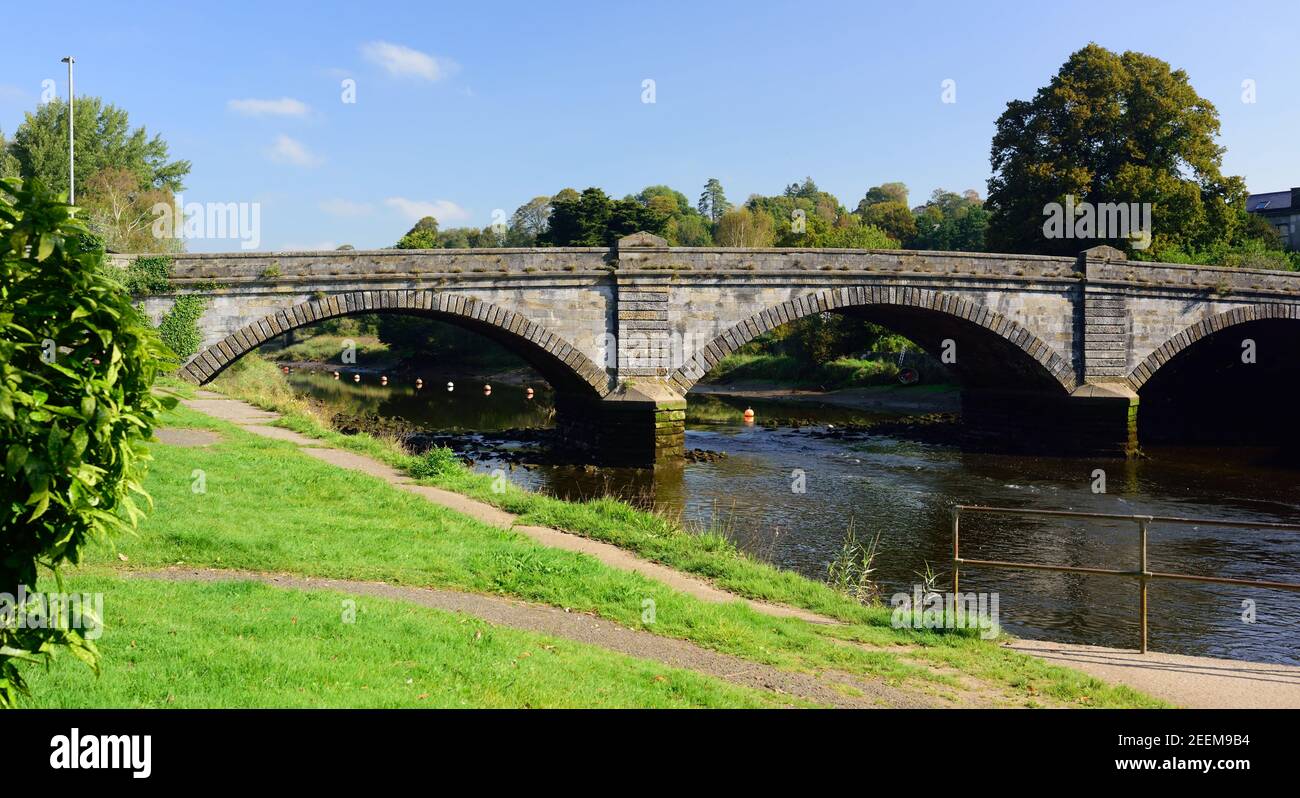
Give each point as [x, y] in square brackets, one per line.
[1052, 353]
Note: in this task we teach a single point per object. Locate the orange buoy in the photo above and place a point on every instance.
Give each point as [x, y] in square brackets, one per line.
[749, 414]
[487, 390]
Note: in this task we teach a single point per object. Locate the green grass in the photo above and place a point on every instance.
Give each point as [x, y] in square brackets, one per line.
[844, 372]
[268, 507]
[243, 644]
[370, 351]
[401, 545]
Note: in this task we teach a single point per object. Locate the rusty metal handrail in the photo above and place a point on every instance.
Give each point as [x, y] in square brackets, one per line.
[1143, 574]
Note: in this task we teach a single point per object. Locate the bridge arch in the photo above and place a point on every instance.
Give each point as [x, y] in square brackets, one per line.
[1171, 348]
[1005, 354]
[563, 366]
[1223, 381]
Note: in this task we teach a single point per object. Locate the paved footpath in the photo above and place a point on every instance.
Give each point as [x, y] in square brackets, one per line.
[1198, 682]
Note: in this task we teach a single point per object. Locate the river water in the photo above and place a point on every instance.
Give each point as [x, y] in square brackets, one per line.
[901, 490]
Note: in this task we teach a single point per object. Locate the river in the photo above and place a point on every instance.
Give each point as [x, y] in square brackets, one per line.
[901, 490]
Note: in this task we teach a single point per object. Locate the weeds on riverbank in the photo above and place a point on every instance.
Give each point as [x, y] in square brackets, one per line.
[851, 571]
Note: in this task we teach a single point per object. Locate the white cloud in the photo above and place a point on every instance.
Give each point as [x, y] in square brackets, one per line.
[292, 151]
[402, 61]
[445, 211]
[285, 106]
[342, 207]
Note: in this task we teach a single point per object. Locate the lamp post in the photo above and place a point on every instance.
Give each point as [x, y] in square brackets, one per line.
[72, 185]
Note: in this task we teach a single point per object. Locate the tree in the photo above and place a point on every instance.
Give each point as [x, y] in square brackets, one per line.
[713, 202]
[529, 222]
[121, 213]
[77, 365]
[951, 222]
[104, 139]
[891, 216]
[744, 228]
[422, 235]
[1112, 128]
[885, 192]
[691, 230]
[9, 166]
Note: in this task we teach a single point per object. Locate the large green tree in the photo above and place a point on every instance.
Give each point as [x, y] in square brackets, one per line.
[1112, 128]
[104, 139]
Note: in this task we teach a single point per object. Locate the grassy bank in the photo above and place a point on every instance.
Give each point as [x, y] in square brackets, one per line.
[323, 348]
[241, 644]
[403, 544]
[843, 372]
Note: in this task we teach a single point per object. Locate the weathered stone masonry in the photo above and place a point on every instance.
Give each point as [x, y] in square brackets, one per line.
[1048, 349]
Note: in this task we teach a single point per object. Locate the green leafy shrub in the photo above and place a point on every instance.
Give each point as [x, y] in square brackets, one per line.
[436, 462]
[145, 276]
[180, 327]
[77, 363]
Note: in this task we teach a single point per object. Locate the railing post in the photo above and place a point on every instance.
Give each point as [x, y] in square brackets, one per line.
[1142, 578]
[956, 553]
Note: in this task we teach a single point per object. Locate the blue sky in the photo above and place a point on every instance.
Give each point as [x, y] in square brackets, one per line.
[463, 108]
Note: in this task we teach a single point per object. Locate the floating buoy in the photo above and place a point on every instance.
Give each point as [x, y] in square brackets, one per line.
[487, 390]
[356, 378]
[451, 386]
[336, 375]
[383, 380]
[528, 393]
[749, 414]
[285, 369]
[419, 383]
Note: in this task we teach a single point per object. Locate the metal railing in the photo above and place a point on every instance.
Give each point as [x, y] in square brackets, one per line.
[1143, 574]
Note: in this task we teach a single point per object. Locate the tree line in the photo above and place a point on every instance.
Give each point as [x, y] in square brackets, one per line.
[800, 216]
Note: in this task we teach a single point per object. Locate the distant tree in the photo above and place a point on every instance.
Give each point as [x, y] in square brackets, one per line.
[529, 222]
[885, 192]
[1112, 128]
[691, 230]
[951, 222]
[629, 216]
[122, 214]
[892, 216]
[665, 200]
[104, 140]
[423, 235]
[744, 228]
[713, 201]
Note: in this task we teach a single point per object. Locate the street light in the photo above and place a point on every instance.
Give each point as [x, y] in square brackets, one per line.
[72, 186]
